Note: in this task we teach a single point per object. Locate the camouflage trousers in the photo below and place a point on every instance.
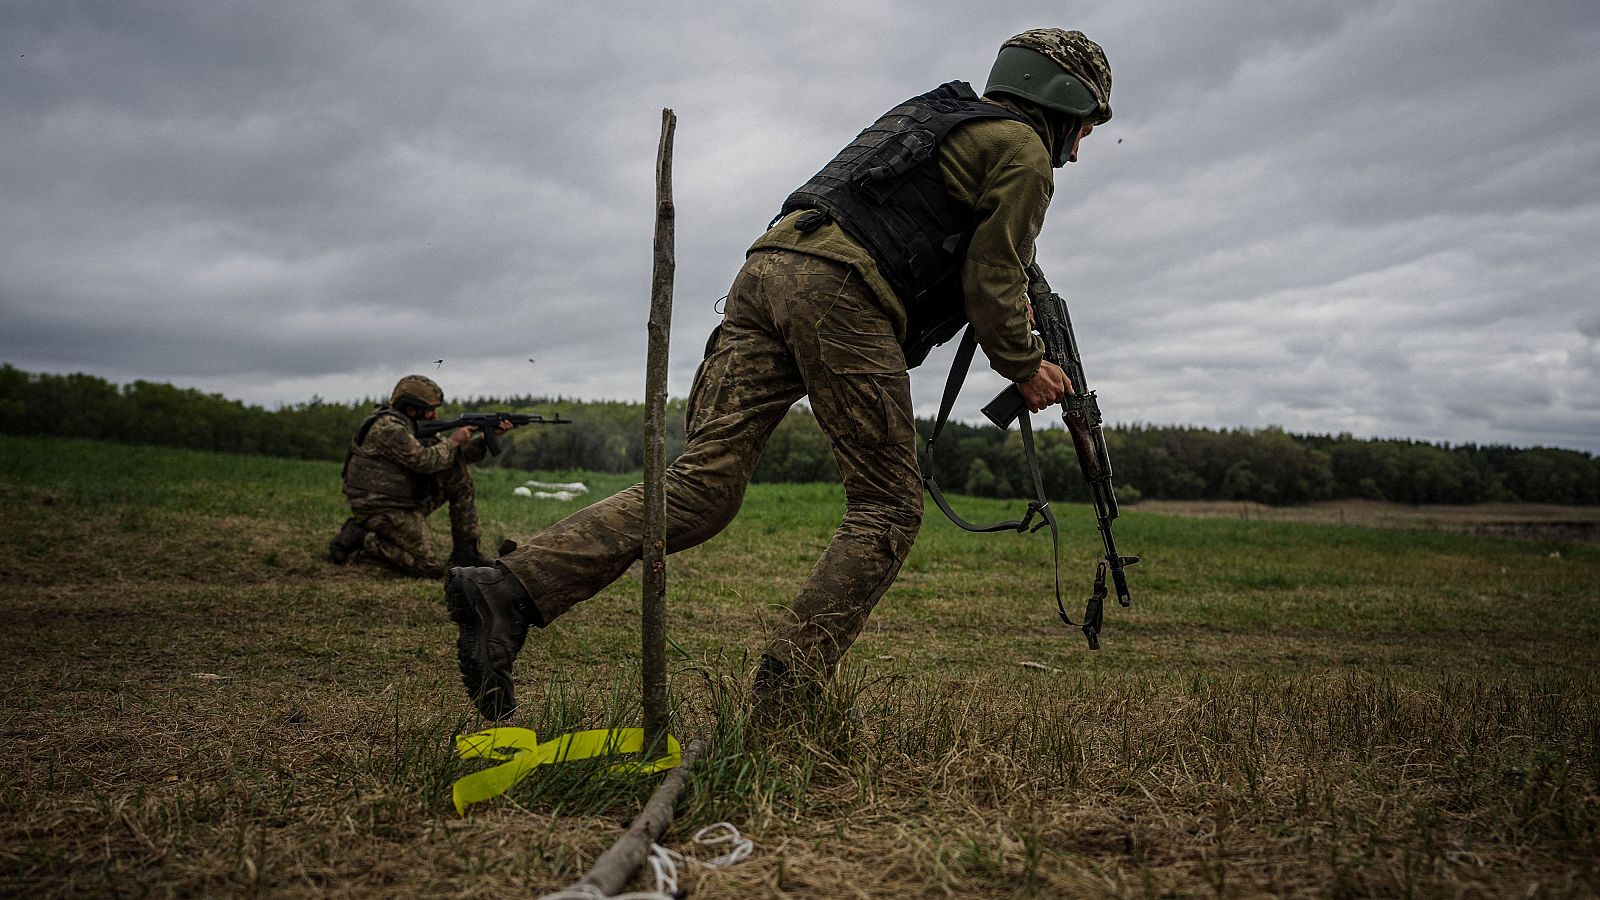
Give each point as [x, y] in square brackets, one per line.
[794, 326]
[400, 537]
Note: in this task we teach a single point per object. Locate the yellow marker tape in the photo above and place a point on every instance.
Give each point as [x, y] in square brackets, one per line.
[520, 752]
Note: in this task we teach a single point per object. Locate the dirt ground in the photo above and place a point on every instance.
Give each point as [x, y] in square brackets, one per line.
[1527, 520]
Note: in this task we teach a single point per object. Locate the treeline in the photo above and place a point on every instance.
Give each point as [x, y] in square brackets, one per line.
[144, 412]
[1266, 465]
[1269, 466]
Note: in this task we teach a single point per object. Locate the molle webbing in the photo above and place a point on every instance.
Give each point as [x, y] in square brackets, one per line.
[886, 191]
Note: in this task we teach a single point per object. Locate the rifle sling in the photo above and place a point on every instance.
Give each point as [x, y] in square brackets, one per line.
[1039, 506]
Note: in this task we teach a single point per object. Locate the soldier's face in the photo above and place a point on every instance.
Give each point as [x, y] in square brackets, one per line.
[1083, 132]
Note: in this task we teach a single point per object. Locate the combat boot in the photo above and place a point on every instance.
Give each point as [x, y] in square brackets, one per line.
[492, 610]
[347, 542]
[465, 554]
[781, 697]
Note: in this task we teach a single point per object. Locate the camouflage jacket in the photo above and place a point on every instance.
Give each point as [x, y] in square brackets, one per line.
[388, 466]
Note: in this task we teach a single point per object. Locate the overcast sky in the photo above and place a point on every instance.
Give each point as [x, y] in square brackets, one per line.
[1374, 217]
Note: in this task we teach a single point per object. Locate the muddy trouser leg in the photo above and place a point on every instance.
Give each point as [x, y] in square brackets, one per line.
[399, 537]
[454, 487]
[741, 392]
[855, 377]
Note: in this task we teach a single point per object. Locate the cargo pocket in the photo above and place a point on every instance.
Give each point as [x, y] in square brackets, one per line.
[695, 401]
[869, 387]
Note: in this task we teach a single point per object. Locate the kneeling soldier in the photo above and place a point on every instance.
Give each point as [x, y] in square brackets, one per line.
[393, 478]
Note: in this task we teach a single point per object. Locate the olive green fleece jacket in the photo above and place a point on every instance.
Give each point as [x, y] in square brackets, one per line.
[999, 170]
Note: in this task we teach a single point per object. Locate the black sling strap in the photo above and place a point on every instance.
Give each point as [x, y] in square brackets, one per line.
[1039, 506]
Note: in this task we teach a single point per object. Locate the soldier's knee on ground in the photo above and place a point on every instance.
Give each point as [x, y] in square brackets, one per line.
[416, 562]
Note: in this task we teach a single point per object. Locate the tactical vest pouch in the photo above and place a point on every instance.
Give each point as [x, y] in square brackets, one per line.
[902, 153]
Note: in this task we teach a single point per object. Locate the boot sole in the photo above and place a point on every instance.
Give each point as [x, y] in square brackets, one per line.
[476, 655]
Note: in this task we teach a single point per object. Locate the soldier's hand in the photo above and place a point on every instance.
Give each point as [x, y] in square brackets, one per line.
[503, 426]
[461, 436]
[1047, 387]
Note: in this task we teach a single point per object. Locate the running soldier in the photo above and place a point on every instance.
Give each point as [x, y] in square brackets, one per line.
[921, 225]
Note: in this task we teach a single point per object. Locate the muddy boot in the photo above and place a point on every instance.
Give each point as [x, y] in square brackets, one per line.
[781, 697]
[465, 554]
[346, 543]
[492, 611]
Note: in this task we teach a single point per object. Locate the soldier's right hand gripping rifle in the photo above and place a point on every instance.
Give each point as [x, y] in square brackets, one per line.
[1081, 412]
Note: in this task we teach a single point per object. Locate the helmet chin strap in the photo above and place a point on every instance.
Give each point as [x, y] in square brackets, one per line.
[1066, 134]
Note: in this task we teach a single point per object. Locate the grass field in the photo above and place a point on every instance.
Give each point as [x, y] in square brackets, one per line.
[196, 702]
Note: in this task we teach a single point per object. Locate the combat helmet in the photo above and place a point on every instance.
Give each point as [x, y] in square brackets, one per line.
[418, 391]
[1059, 70]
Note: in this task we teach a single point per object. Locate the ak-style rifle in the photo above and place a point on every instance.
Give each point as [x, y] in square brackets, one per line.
[488, 423]
[1081, 412]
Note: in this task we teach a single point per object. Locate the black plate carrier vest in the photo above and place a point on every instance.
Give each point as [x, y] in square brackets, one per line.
[885, 190]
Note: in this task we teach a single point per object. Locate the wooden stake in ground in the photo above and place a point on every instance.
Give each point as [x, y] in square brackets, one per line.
[615, 866]
[653, 627]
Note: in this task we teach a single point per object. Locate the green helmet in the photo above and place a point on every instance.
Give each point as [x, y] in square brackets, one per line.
[416, 390]
[1059, 70]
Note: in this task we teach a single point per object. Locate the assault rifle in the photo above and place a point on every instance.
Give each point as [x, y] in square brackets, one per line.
[1081, 412]
[488, 423]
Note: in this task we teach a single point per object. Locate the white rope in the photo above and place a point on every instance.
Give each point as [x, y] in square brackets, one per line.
[664, 862]
[741, 846]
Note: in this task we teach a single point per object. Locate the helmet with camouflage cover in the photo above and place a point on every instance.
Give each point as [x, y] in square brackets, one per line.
[416, 390]
[1059, 70]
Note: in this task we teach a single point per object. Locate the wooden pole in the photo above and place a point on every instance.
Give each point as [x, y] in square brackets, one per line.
[653, 627]
[615, 866]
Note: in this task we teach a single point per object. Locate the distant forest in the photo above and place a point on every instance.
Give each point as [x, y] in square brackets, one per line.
[1179, 463]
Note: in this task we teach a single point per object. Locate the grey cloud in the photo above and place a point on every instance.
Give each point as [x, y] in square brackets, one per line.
[1370, 217]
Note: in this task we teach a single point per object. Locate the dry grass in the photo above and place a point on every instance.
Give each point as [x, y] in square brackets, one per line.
[196, 704]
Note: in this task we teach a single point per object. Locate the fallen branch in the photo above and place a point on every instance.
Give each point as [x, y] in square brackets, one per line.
[615, 866]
